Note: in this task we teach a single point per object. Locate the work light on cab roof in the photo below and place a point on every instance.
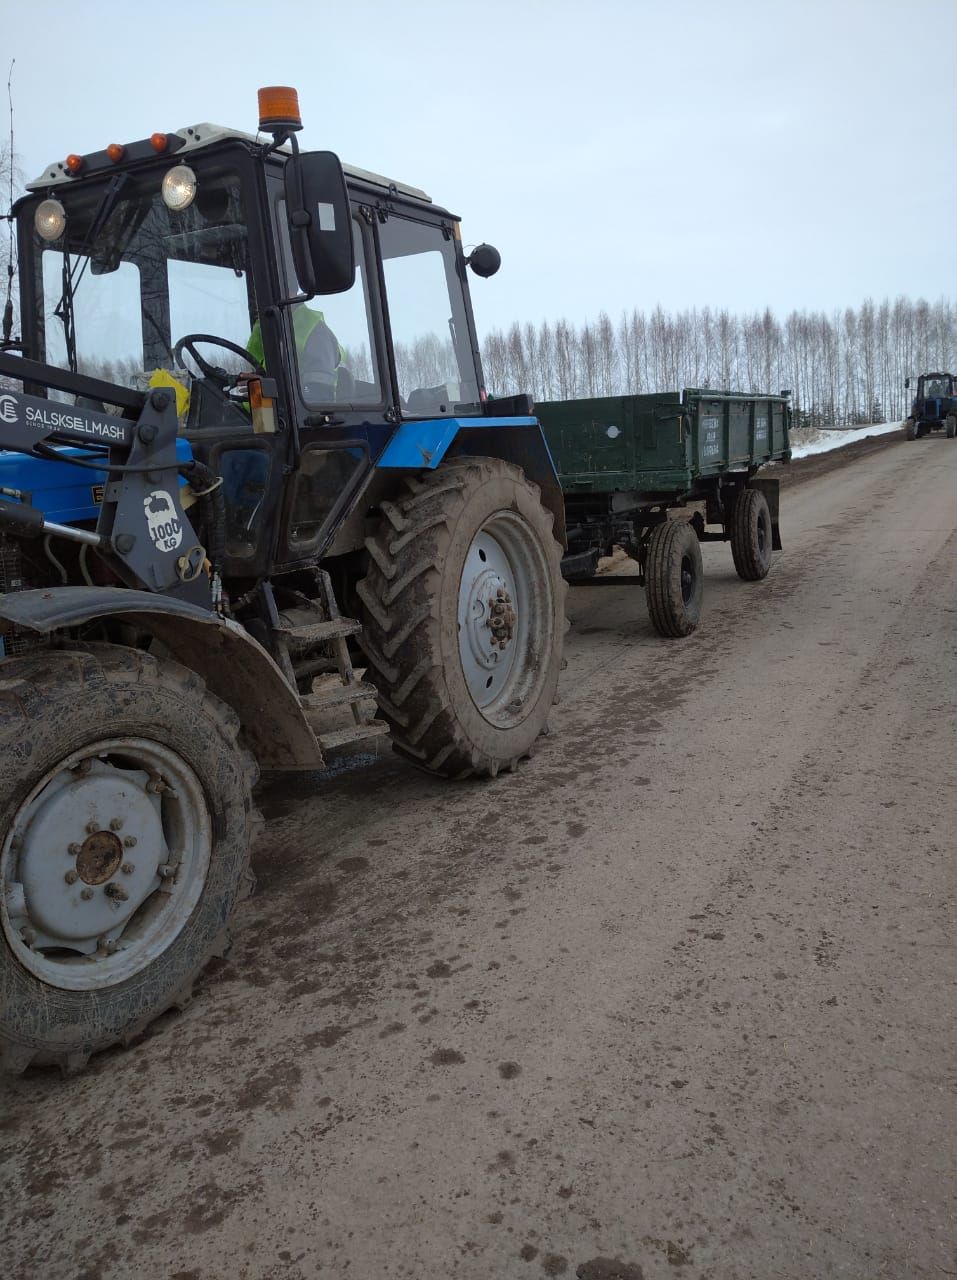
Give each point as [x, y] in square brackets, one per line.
[179, 187]
[50, 220]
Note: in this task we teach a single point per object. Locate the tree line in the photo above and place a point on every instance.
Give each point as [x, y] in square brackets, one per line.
[845, 368]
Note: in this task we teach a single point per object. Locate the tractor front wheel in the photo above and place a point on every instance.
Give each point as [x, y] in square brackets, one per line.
[463, 617]
[910, 429]
[127, 820]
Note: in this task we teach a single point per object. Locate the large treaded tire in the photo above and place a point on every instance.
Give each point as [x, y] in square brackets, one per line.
[674, 579]
[910, 429]
[55, 703]
[950, 427]
[410, 601]
[751, 535]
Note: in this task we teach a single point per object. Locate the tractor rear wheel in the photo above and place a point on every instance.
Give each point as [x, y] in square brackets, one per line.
[127, 820]
[674, 578]
[751, 535]
[463, 617]
[950, 427]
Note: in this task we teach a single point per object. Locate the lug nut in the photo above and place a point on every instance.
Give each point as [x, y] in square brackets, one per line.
[92, 827]
[129, 841]
[86, 894]
[74, 849]
[71, 877]
[116, 824]
[127, 868]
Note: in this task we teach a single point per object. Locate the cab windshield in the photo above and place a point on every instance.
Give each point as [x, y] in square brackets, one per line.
[935, 387]
[130, 277]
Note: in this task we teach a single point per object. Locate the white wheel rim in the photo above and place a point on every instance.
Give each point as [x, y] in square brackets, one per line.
[103, 864]
[505, 611]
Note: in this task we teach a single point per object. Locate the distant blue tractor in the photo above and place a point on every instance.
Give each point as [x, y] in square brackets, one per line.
[934, 406]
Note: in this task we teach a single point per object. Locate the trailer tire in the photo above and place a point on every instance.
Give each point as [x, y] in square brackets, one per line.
[674, 578]
[950, 427]
[136, 770]
[445, 555]
[910, 429]
[751, 535]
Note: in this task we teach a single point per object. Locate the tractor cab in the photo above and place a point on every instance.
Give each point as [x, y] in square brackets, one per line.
[935, 392]
[294, 351]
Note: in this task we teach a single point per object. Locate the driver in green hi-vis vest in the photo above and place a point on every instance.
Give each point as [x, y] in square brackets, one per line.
[317, 347]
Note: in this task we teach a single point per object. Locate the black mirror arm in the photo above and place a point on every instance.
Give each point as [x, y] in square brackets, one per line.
[299, 222]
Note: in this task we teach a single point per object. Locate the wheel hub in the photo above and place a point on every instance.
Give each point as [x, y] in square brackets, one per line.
[99, 858]
[503, 611]
[69, 890]
[501, 618]
[103, 864]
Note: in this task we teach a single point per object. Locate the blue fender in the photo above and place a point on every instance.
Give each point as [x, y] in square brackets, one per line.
[421, 446]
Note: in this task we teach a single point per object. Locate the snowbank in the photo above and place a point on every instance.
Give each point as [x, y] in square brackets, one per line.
[804, 443]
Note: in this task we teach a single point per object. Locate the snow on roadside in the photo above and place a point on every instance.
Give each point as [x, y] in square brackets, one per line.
[805, 443]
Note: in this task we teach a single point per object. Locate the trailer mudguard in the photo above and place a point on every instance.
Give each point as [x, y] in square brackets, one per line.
[236, 667]
[772, 494]
[422, 445]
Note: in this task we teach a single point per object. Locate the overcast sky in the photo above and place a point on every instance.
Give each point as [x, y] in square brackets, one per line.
[731, 153]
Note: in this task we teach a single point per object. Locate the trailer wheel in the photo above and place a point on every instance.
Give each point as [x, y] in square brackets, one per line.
[950, 427]
[126, 826]
[674, 578]
[751, 535]
[910, 429]
[463, 613]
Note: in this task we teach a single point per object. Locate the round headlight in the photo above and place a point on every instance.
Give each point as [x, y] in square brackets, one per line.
[50, 220]
[179, 187]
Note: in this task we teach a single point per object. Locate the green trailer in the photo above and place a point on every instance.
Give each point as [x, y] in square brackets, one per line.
[627, 463]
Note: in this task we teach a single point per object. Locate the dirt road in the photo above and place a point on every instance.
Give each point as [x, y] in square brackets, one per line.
[678, 996]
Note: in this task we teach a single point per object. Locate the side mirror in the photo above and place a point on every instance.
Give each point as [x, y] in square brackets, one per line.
[320, 225]
[906, 383]
[484, 260]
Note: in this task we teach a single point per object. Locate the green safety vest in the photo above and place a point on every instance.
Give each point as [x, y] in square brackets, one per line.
[305, 321]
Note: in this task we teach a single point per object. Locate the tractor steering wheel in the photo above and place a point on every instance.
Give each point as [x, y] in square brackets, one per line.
[219, 377]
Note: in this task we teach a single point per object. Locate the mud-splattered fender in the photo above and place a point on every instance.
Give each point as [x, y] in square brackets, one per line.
[236, 667]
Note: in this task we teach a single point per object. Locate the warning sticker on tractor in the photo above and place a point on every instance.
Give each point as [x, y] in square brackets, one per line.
[164, 524]
[760, 428]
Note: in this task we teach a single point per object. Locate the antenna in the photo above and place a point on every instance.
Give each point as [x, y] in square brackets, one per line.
[8, 305]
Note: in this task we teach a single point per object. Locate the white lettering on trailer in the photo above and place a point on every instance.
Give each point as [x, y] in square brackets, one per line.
[710, 445]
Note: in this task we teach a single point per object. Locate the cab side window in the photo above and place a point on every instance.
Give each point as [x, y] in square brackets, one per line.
[333, 336]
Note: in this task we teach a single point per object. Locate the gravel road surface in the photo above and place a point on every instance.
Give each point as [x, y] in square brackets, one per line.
[676, 1000]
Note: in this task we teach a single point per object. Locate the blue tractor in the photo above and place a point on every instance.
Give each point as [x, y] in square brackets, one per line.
[934, 408]
[255, 507]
